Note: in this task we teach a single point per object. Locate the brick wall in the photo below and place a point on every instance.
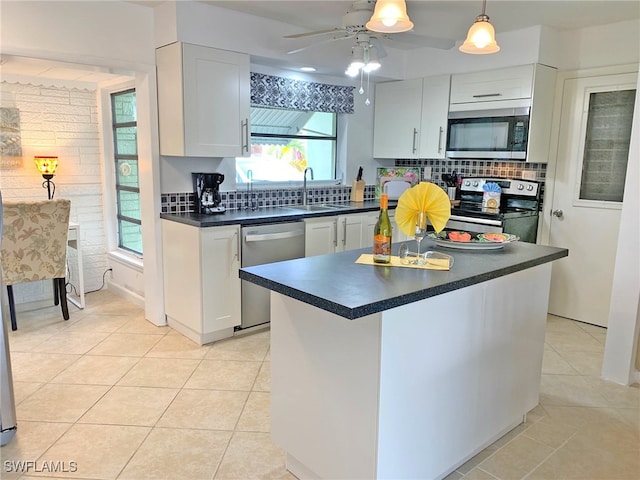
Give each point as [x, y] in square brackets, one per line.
[60, 121]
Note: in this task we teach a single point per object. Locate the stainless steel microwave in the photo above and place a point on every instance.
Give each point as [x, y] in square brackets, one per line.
[488, 134]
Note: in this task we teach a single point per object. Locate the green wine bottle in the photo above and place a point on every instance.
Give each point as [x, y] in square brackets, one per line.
[382, 233]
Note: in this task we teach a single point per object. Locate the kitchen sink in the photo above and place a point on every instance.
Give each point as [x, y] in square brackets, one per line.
[317, 207]
[307, 208]
[338, 206]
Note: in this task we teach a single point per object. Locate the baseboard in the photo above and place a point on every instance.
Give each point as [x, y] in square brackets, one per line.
[121, 291]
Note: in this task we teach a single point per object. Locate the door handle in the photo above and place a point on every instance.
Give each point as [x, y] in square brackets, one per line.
[344, 232]
[557, 213]
[440, 140]
[245, 133]
[415, 134]
[261, 237]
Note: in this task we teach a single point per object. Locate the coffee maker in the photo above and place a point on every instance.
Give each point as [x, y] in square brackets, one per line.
[206, 187]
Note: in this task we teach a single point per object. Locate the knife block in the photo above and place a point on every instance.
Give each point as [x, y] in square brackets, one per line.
[357, 191]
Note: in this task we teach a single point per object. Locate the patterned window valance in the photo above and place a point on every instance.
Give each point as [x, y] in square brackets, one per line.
[279, 92]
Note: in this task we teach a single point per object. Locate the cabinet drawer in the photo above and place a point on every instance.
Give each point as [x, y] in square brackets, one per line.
[494, 85]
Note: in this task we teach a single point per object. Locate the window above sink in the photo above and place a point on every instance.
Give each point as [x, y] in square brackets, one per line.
[284, 142]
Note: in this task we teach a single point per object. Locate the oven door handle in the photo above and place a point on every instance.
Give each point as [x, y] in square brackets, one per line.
[480, 221]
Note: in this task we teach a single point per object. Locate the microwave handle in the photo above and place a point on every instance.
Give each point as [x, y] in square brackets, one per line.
[488, 95]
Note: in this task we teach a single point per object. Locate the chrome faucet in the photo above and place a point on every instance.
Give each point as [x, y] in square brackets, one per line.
[304, 185]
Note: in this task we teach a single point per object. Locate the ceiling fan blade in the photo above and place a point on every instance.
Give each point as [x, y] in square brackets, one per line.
[418, 41]
[311, 34]
[317, 44]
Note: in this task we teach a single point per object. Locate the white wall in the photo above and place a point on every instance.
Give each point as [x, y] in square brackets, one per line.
[620, 357]
[116, 37]
[62, 122]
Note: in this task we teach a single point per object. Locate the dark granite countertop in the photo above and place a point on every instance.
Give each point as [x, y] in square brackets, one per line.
[268, 214]
[337, 284]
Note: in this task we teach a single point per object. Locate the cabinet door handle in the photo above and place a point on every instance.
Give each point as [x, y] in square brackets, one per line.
[335, 232]
[415, 134]
[344, 232]
[237, 242]
[245, 135]
[440, 140]
[483, 95]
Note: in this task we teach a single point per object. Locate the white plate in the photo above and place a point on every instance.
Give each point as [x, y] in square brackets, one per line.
[445, 242]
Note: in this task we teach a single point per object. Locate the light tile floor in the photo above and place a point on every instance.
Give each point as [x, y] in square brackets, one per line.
[123, 399]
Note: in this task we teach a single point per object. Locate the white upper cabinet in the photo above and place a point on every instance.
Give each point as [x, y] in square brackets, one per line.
[203, 101]
[398, 108]
[435, 110]
[411, 118]
[500, 84]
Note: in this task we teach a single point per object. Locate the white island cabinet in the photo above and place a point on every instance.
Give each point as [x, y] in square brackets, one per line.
[203, 101]
[382, 372]
[201, 283]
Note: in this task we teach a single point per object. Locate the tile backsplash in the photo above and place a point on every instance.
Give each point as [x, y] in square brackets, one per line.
[243, 199]
[473, 168]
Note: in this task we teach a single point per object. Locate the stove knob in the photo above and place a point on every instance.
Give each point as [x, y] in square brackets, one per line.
[530, 187]
[475, 184]
[467, 183]
[520, 186]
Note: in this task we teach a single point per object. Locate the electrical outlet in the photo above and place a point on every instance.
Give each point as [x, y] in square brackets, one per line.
[528, 175]
[426, 174]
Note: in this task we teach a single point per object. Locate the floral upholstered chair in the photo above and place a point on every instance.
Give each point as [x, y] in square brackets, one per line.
[34, 247]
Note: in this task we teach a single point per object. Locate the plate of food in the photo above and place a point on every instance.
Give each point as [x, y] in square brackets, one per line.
[472, 241]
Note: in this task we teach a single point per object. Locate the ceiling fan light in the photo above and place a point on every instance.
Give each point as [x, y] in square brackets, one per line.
[357, 57]
[390, 16]
[481, 38]
[373, 63]
[352, 72]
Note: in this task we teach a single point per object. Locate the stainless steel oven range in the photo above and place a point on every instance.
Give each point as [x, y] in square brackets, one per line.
[517, 213]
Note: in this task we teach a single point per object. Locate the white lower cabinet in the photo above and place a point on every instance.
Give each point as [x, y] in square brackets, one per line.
[338, 233]
[201, 282]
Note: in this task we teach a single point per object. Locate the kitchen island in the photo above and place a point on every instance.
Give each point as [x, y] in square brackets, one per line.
[388, 372]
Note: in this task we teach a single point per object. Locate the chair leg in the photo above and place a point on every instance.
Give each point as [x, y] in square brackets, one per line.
[56, 293]
[12, 308]
[63, 298]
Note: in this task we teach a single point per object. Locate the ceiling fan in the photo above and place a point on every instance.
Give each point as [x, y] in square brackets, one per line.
[354, 24]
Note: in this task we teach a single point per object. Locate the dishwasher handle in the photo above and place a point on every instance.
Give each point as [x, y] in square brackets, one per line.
[261, 237]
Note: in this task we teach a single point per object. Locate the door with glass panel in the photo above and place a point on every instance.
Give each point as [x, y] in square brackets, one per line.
[593, 152]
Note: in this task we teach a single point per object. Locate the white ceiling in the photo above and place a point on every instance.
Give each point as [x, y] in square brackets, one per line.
[448, 19]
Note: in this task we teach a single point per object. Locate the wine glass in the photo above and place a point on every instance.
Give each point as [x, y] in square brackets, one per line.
[420, 232]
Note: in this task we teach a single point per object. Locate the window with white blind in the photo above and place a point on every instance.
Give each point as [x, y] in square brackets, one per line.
[606, 148]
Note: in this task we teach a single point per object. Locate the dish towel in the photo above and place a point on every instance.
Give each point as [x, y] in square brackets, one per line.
[432, 263]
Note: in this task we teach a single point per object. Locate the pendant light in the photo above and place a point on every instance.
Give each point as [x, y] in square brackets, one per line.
[390, 16]
[481, 38]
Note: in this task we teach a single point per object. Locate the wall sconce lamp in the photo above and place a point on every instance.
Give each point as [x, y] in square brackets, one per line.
[481, 38]
[390, 16]
[47, 167]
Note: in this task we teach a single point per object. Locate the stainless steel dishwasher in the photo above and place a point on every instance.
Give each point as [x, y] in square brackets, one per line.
[266, 244]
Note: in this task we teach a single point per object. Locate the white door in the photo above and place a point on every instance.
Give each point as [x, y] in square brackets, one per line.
[595, 130]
